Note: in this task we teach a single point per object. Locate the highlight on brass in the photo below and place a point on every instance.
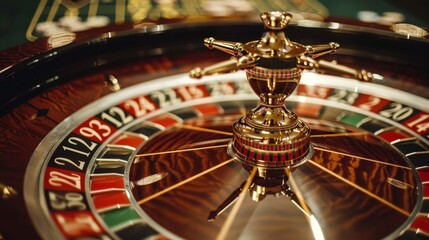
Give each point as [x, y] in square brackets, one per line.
[271, 136]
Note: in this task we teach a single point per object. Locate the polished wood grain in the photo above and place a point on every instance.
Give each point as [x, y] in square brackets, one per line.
[25, 126]
[42, 104]
[343, 210]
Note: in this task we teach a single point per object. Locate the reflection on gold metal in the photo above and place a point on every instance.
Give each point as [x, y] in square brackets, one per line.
[227, 225]
[297, 192]
[316, 228]
[340, 135]
[61, 39]
[120, 11]
[314, 224]
[179, 151]
[363, 158]
[397, 183]
[7, 192]
[190, 127]
[93, 8]
[139, 9]
[208, 142]
[409, 30]
[113, 83]
[337, 69]
[146, 9]
[271, 136]
[232, 48]
[144, 26]
[72, 12]
[144, 200]
[260, 183]
[53, 11]
[365, 191]
[73, 4]
[36, 16]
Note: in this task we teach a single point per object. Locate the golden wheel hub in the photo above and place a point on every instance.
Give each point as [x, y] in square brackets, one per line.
[270, 136]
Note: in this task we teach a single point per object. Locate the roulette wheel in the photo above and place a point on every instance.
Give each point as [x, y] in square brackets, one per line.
[109, 138]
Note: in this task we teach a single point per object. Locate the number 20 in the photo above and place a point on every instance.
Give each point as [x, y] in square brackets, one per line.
[397, 112]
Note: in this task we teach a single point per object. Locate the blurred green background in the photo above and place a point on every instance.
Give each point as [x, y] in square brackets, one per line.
[16, 15]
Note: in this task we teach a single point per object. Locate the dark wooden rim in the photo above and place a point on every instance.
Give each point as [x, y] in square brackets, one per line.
[54, 66]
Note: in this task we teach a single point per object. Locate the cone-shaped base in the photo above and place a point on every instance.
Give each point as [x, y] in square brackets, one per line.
[275, 146]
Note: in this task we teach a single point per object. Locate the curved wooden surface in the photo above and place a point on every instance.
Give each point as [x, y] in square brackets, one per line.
[341, 208]
[54, 83]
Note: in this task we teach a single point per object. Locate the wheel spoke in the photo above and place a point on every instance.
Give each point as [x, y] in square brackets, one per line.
[363, 190]
[228, 223]
[144, 200]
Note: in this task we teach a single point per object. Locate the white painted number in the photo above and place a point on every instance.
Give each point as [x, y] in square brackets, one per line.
[91, 131]
[397, 112]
